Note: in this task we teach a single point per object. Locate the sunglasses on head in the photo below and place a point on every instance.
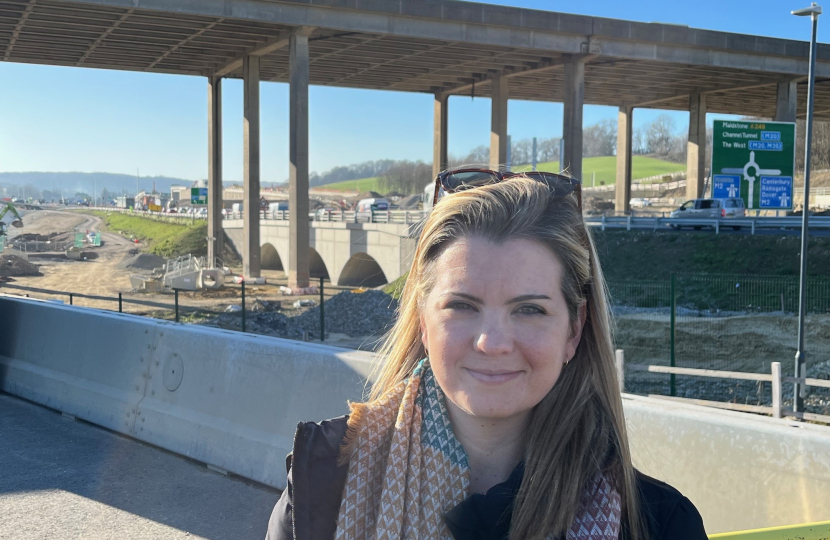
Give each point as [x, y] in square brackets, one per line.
[456, 180]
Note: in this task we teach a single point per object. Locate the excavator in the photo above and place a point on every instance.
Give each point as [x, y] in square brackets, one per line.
[8, 216]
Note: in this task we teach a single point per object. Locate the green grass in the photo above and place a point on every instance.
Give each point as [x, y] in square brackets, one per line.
[162, 238]
[361, 185]
[395, 289]
[605, 168]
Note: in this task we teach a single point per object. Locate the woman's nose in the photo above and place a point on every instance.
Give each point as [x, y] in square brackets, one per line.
[494, 340]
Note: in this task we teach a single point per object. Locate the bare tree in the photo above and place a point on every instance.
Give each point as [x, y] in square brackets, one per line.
[548, 149]
[659, 135]
[600, 139]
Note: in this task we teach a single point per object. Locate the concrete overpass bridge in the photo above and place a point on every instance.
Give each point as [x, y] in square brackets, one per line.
[345, 252]
[441, 48]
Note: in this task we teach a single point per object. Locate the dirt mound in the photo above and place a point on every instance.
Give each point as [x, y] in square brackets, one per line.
[144, 261]
[12, 265]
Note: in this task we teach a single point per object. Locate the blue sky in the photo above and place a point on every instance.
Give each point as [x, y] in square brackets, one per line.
[70, 119]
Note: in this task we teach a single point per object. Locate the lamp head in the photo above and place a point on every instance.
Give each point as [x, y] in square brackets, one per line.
[814, 10]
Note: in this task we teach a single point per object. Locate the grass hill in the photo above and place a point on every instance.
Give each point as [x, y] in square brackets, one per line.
[362, 185]
[604, 169]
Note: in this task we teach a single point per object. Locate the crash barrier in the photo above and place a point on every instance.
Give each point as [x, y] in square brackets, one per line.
[806, 531]
[227, 399]
[728, 322]
[751, 223]
[776, 409]
[232, 401]
[241, 309]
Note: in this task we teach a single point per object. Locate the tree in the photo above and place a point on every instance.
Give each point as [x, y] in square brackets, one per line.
[659, 135]
[600, 139]
[548, 149]
[407, 177]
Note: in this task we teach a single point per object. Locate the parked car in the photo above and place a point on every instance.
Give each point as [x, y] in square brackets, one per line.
[640, 203]
[711, 209]
[372, 205]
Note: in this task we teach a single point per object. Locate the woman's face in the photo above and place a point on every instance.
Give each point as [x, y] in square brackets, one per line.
[496, 325]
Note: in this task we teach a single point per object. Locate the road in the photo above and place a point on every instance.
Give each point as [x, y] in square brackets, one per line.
[66, 479]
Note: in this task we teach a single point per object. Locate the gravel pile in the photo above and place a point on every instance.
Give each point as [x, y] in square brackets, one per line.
[144, 261]
[353, 314]
[270, 323]
[14, 266]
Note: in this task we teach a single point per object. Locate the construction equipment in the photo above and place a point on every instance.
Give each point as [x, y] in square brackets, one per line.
[8, 216]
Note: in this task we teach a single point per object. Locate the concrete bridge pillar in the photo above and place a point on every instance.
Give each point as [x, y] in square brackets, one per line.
[440, 159]
[696, 147]
[622, 197]
[251, 247]
[298, 205]
[498, 122]
[786, 104]
[572, 119]
[216, 234]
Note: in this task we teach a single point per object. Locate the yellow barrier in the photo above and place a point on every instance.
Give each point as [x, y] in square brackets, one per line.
[809, 531]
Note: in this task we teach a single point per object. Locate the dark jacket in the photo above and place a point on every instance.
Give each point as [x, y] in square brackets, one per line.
[308, 508]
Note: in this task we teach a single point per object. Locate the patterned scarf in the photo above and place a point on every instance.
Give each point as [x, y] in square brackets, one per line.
[407, 469]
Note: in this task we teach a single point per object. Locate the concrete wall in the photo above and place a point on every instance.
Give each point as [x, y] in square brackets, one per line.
[233, 400]
[224, 398]
[343, 246]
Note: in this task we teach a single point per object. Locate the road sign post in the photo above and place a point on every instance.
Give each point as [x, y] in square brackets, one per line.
[754, 160]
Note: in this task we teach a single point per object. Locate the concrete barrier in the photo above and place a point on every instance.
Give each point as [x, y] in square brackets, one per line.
[228, 399]
[233, 400]
[742, 471]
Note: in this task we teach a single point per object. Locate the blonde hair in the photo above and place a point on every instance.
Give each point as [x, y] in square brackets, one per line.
[578, 428]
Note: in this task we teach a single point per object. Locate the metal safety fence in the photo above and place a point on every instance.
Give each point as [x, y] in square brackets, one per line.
[239, 306]
[720, 322]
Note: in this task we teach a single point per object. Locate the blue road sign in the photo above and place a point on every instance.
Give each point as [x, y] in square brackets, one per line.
[776, 192]
[726, 186]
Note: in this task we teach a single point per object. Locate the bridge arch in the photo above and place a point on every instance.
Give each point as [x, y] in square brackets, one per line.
[316, 265]
[269, 258]
[362, 270]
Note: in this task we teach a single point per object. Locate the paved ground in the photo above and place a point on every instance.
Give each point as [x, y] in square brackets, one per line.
[66, 479]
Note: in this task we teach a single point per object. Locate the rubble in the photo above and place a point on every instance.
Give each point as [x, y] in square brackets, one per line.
[14, 266]
[365, 314]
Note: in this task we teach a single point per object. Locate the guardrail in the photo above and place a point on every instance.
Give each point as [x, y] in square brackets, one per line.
[753, 223]
[776, 410]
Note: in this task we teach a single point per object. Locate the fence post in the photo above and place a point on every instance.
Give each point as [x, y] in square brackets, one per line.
[70, 299]
[322, 314]
[673, 327]
[243, 305]
[620, 357]
[176, 294]
[776, 389]
[120, 309]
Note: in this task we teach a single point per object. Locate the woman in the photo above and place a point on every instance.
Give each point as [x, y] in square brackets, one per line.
[496, 413]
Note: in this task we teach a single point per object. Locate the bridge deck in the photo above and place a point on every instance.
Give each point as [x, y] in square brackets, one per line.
[69, 479]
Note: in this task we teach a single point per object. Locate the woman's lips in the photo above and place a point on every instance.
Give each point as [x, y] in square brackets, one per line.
[493, 377]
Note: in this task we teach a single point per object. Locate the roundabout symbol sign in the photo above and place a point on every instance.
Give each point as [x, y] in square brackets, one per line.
[754, 161]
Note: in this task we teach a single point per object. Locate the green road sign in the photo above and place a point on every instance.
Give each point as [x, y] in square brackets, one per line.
[754, 160]
[198, 195]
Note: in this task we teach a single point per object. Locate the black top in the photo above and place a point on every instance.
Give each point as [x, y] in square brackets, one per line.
[309, 506]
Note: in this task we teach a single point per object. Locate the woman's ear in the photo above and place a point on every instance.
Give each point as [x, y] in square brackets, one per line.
[576, 330]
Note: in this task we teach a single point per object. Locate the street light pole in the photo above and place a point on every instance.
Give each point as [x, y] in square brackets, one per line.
[801, 355]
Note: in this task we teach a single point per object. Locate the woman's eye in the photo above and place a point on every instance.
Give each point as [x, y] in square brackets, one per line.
[530, 310]
[462, 306]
